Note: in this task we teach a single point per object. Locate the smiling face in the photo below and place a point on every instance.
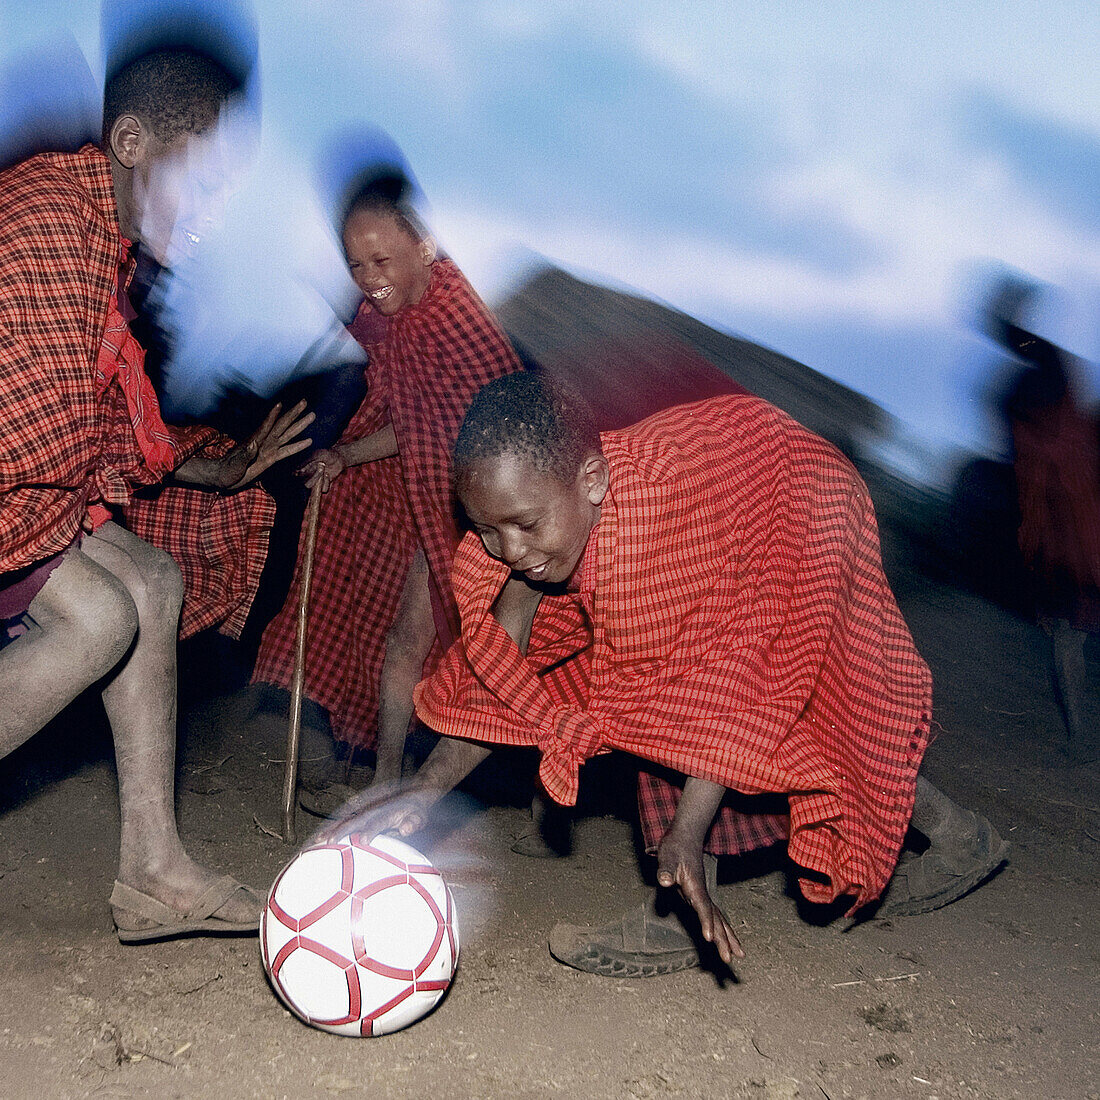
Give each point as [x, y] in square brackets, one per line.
[532, 521]
[169, 195]
[180, 193]
[389, 265]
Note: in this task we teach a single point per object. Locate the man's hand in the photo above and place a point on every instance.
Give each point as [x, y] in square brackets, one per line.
[275, 439]
[680, 864]
[324, 467]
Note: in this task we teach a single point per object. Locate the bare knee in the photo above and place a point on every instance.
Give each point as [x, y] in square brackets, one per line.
[157, 590]
[92, 614]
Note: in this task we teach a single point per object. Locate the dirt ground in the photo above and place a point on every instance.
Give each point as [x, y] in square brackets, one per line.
[993, 997]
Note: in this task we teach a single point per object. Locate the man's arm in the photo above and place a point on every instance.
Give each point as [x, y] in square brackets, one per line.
[275, 439]
[404, 809]
[515, 609]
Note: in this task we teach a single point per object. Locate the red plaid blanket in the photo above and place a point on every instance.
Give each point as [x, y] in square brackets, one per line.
[83, 428]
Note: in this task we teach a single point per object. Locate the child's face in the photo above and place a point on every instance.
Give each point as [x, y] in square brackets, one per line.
[390, 267]
[532, 521]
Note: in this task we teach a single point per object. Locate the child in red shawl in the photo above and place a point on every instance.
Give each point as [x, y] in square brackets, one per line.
[702, 590]
[381, 587]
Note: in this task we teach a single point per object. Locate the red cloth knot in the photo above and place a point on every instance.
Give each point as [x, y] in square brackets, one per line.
[574, 738]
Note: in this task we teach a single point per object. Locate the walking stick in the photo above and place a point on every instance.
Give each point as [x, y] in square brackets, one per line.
[293, 737]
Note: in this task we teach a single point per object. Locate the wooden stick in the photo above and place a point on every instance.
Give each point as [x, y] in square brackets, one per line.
[294, 733]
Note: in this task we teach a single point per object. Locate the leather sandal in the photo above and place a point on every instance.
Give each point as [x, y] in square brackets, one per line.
[140, 918]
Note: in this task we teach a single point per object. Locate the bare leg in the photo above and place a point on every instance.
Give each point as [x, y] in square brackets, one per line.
[407, 647]
[83, 623]
[1068, 647]
[549, 832]
[141, 589]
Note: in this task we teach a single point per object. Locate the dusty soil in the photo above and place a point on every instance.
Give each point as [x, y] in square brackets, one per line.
[993, 997]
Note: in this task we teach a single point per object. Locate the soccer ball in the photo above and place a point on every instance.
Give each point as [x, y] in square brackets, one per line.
[359, 936]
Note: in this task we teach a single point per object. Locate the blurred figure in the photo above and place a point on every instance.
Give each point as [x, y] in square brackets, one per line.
[1057, 465]
[97, 556]
[381, 601]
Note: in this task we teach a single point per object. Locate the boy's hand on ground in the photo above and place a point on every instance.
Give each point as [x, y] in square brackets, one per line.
[324, 467]
[680, 864]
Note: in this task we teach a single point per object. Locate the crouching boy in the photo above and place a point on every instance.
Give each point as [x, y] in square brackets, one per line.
[704, 591]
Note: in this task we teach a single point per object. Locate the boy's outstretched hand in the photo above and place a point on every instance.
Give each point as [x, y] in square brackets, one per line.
[379, 810]
[684, 870]
[680, 863]
[275, 439]
[404, 808]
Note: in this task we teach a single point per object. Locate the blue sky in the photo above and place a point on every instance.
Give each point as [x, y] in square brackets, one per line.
[836, 181]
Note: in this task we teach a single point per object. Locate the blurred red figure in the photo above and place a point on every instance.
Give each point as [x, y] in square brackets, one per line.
[1057, 467]
[98, 559]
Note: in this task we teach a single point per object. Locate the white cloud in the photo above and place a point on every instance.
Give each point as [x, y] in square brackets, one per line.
[928, 237]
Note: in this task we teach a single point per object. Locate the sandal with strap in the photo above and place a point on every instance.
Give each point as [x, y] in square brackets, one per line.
[140, 918]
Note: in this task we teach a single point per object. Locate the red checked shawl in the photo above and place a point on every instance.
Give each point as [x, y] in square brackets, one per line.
[72, 449]
[425, 366]
[743, 632]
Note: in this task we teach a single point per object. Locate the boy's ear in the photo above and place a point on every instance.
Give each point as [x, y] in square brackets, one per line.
[126, 139]
[428, 250]
[595, 478]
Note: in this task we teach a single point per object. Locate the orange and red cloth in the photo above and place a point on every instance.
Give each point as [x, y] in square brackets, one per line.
[84, 438]
[732, 622]
[426, 364]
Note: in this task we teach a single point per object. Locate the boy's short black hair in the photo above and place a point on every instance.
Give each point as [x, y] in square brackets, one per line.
[176, 90]
[385, 194]
[532, 417]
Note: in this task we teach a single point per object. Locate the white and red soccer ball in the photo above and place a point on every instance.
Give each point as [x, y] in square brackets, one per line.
[359, 936]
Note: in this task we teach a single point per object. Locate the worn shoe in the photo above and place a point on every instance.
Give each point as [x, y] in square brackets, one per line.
[945, 872]
[640, 945]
